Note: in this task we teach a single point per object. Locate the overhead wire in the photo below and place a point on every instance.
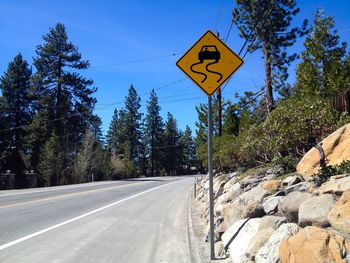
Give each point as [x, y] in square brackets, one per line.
[134, 61]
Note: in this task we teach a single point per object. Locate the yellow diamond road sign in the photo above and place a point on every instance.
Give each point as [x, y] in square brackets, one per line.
[209, 63]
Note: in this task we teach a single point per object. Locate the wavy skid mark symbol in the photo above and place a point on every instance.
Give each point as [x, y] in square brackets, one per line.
[198, 72]
[214, 72]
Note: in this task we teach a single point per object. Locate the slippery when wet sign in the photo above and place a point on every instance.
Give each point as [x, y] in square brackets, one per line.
[209, 63]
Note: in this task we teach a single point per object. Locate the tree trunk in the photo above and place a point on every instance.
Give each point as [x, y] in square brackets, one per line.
[152, 156]
[268, 78]
[17, 120]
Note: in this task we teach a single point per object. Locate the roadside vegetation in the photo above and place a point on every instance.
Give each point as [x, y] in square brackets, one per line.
[281, 121]
[47, 117]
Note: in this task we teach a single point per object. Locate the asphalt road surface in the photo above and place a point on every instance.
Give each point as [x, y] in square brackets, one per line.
[141, 220]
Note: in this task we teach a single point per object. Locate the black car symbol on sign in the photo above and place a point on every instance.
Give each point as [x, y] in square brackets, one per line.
[209, 53]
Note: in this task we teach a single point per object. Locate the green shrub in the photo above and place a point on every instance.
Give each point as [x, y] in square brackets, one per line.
[330, 170]
[291, 129]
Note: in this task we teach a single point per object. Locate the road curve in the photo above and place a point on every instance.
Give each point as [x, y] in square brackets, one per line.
[120, 221]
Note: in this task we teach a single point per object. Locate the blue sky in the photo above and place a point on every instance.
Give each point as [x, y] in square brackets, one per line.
[138, 42]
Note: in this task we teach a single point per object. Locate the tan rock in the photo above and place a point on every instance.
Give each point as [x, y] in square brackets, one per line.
[247, 205]
[339, 216]
[268, 225]
[336, 185]
[269, 252]
[314, 244]
[336, 148]
[234, 179]
[271, 185]
[257, 242]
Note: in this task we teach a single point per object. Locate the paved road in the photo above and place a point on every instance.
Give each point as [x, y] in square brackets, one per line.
[120, 221]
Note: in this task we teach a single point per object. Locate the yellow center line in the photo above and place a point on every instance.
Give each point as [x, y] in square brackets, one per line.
[67, 195]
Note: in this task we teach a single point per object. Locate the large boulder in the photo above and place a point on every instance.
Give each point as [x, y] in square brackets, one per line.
[233, 179]
[267, 226]
[289, 206]
[336, 148]
[336, 185]
[257, 242]
[314, 211]
[237, 238]
[271, 222]
[269, 252]
[247, 205]
[234, 191]
[270, 204]
[339, 216]
[314, 244]
[219, 182]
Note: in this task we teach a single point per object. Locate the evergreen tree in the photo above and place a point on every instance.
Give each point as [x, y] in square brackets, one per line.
[50, 164]
[266, 25]
[188, 148]
[153, 131]
[231, 120]
[325, 69]
[63, 97]
[132, 124]
[16, 102]
[112, 133]
[202, 122]
[171, 147]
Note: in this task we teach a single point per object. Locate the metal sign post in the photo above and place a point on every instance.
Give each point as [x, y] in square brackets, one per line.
[210, 175]
[209, 63]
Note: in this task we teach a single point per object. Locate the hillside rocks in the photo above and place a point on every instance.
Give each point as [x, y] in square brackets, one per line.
[270, 204]
[339, 216]
[247, 205]
[237, 238]
[267, 227]
[269, 252]
[289, 206]
[314, 211]
[336, 148]
[256, 210]
[336, 185]
[314, 244]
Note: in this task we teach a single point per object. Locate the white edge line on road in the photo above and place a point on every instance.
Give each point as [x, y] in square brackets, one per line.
[22, 239]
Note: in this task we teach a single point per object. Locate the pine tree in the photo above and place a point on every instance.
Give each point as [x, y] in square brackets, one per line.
[16, 102]
[231, 120]
[202, 122]
[153, 131]
[266, 26]
[112, 133]
[63, 97]
[188, 148]
[324, 70]
[171, 147]
[132, 123]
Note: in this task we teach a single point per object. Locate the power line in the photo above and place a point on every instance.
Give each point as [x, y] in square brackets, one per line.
[135, 61]
[219, 17]
[247, 39]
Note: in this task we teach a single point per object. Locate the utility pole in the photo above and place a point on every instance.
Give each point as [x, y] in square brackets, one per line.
[210, 175]
[219, 104]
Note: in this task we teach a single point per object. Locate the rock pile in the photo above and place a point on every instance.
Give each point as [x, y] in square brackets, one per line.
[264, 215]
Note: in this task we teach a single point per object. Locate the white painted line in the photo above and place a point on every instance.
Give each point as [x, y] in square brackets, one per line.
[22, 239]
